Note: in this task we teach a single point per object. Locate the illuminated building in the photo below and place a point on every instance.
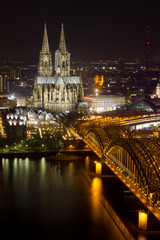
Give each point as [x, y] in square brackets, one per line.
[158, 90]
[104, 103]
[4, 84]
[99, 79]
[2, 128]
[1, 83]
[59, 92]
[21, 101]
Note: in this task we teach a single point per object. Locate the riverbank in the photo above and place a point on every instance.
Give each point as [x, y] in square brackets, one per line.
[37, 154]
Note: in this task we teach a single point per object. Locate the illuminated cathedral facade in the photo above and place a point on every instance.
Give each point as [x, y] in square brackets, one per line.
[55, 89]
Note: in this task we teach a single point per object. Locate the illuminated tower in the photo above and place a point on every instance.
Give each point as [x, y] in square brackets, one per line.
[62, 57]
[45, 67]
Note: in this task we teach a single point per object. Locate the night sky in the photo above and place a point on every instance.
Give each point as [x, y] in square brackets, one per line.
[93, 29]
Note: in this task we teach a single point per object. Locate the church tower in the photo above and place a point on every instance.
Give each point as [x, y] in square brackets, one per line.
[62, 57]
[45, 67]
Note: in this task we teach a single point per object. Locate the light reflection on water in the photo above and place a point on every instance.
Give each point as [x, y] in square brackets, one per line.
[45, 199]
[96, 188]
[87, 159]
[141, 237]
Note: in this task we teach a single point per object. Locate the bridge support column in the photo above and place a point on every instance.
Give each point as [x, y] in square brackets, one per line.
[142, 220]
[98, 168]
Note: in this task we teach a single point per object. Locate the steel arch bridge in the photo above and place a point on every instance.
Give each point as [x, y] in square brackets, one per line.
[135, 161]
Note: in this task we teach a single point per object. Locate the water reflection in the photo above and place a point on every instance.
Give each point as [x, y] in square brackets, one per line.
[42, 169]
[96, 188]
[48, 198]
[87, 160]
[142, 237]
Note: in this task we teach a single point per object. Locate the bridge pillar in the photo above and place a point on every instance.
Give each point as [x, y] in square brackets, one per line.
[98, 168]
[142, 220]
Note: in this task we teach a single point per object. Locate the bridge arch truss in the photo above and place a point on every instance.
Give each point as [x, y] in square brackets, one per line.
[135, 161]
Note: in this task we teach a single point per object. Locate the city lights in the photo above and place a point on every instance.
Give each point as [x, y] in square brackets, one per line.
[80, 131]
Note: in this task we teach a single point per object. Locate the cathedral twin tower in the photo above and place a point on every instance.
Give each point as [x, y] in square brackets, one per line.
[59, 92]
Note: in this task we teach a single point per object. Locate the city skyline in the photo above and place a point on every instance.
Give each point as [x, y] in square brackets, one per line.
[80, 120]
[93, 31]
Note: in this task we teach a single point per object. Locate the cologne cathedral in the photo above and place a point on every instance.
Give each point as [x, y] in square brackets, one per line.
[55, 90]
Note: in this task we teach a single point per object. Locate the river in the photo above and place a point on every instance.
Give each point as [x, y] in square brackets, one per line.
[51, 200]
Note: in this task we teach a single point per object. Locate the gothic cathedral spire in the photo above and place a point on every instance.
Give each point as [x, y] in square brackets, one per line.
[62, 57]
[45, 44]
[45, 67]
[62, 43]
